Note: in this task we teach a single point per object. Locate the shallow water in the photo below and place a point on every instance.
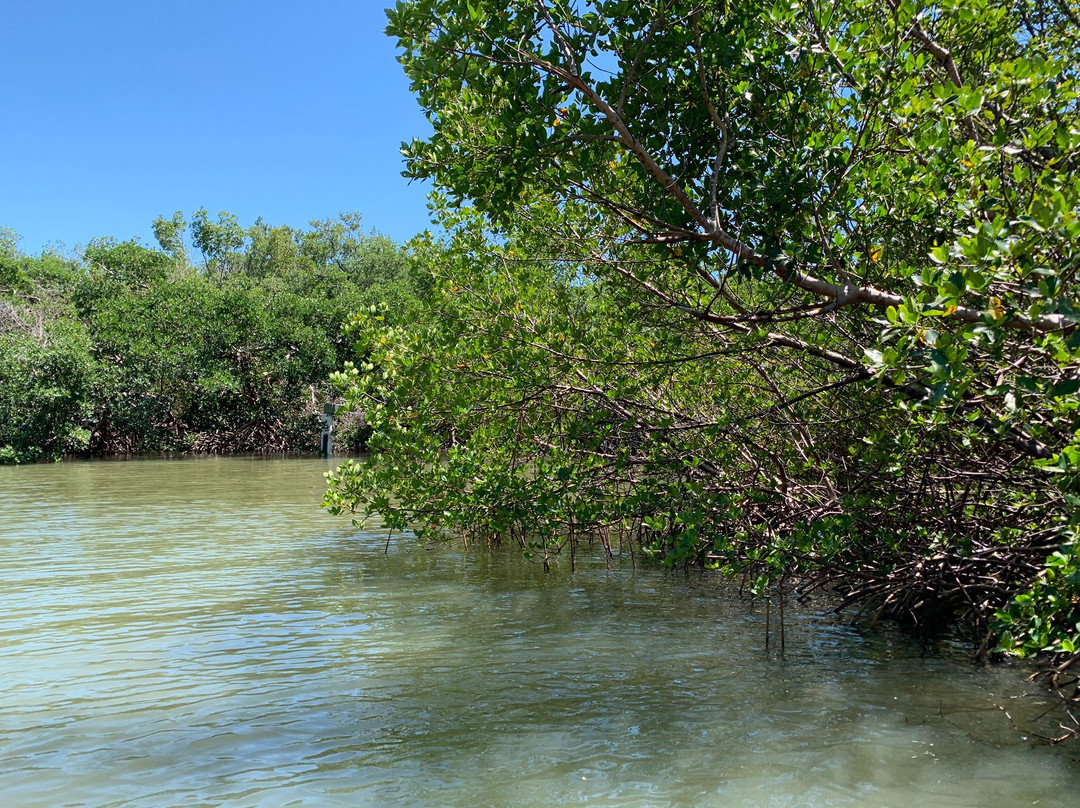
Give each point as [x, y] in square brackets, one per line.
[198, 633]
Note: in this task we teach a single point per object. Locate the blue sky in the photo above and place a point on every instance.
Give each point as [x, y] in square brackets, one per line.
[112, 113]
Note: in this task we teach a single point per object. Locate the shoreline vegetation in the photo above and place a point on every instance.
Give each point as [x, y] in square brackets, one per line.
[783, 291]
[217, 340]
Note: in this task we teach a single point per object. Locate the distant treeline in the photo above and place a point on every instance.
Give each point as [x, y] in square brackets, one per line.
[218, 339]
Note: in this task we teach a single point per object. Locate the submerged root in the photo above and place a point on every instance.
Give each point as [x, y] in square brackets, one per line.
[930, 592]
[1063, 677]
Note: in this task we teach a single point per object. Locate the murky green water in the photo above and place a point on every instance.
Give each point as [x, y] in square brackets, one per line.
[197, 633]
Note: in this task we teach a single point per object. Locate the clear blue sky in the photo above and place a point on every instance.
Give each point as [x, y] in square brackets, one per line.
[112, 113]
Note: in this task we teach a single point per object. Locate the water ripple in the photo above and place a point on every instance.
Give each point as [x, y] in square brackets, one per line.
[198, 633]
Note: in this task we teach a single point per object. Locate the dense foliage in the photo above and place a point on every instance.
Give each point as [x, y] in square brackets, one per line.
[788, 290]
[128, 348]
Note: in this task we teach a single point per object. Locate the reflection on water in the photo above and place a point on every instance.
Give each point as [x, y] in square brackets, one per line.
[199, 633]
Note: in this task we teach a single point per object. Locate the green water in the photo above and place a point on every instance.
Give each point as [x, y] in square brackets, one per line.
[198, 633]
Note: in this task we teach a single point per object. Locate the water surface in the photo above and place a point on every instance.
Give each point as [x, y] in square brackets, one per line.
[198, 633]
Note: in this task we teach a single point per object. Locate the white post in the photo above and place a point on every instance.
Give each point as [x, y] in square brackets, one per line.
[328, 429]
